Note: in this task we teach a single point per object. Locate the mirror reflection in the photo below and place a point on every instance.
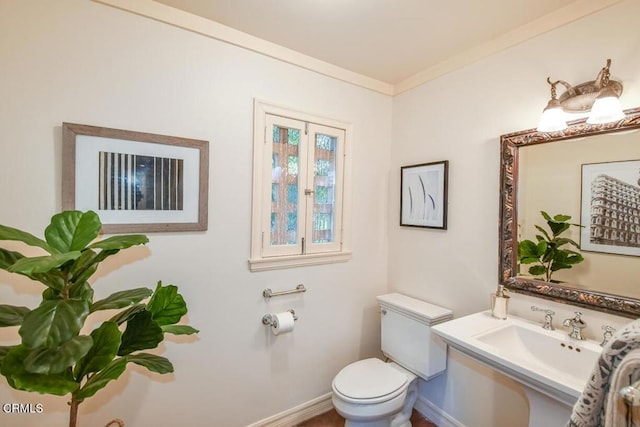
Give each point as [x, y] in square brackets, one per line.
[551, 179]
[581, 187]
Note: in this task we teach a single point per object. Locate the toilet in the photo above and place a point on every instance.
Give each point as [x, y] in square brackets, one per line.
[373, 393]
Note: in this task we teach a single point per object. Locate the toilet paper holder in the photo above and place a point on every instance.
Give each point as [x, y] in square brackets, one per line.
[269, 319]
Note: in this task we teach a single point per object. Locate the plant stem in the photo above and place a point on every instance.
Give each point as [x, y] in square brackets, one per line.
[73, 412]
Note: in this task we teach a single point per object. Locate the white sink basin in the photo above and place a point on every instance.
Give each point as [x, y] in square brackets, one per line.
[547, 361]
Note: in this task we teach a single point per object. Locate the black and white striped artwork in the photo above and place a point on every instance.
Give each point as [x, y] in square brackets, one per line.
[135, 182]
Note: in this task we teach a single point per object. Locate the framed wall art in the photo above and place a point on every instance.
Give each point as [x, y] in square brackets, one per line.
[423, 195]
[135, 181]
[610, 209]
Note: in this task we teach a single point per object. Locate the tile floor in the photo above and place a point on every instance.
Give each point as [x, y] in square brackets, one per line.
[332, 419]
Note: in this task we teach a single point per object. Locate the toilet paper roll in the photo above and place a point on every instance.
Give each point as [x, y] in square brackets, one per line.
[282, 323]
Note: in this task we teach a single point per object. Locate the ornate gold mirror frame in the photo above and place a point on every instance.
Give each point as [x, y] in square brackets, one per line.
[508, 244]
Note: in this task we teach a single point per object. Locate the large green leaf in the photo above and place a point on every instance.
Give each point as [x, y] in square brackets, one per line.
[55, 360]
[56, 384]
[537, 270]
[82, 291]
[560, 241]
[9, 233]
[558, 227]
[98, 381]
[87, 264]
[52, 279]
[543, 231]
[527, 249]
[120, 242]
[121, 299]
[167, 305]
[11, 315]
[158, 364]
[561, 218]
[142, 333]
[106, 341]
[179, 329]
[8, 258]
[42, 264]
[4, 349]
[126, 315]
[71, 231]
[17, 377]
[53, 322]
[541, 248]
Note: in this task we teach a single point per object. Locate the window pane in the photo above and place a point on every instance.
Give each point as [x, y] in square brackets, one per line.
[284, 194]
[324, 186]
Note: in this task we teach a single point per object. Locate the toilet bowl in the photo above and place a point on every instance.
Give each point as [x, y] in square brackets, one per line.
[372, 393]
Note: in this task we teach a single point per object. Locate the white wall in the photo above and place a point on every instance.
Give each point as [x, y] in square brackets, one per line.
[459, 118]
[83, 62]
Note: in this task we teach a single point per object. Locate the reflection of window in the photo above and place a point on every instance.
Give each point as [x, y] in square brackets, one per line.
[298, 189]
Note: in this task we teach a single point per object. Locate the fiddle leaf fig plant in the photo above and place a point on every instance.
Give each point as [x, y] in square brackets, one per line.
[549, 253]
[54, 355]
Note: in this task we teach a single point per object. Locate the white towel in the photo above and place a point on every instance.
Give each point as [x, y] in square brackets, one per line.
[589, 410]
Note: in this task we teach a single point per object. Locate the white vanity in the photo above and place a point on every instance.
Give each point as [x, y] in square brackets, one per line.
[552, 367]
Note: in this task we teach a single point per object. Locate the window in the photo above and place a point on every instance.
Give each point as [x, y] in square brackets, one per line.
[299, 182]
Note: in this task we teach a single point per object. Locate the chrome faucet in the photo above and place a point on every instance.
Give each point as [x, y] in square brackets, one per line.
[576, 325]
[548, 317]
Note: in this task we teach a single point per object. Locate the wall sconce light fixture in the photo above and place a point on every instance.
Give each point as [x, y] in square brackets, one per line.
[600, 97]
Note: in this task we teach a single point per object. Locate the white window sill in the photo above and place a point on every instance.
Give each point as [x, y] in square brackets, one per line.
[290, 261]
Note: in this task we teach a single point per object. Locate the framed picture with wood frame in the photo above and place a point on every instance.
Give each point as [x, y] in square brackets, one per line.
[135, 181]
[423, 195]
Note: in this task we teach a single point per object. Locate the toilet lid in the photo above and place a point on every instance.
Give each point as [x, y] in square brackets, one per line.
[368, 379]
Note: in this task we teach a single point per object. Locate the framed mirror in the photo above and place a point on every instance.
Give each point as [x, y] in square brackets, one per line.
[575, 173]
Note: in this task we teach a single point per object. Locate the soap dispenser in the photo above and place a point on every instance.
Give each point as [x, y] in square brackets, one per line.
[499, 303]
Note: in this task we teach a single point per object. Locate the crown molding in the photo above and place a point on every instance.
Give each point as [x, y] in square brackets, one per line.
[208, 28]
[217, 31]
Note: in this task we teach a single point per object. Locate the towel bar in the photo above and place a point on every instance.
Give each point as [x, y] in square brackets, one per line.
[268, 293]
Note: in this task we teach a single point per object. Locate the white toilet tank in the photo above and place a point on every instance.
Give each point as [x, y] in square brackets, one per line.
[406, 334]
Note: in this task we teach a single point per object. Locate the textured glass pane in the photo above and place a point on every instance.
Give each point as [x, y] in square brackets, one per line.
[294, 136]
[292, 193]
[325, 142]
[292, 164]
[323, 167]
[322, 195]
[324, 186]
[284, 194]
[292, 222]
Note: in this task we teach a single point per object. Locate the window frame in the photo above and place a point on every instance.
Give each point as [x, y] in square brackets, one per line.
[261, 203]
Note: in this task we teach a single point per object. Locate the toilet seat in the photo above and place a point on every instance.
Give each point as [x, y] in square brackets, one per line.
[369, 381]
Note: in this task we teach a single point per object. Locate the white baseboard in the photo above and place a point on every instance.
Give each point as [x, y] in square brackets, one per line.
[298, 414]
[322, 404]
[435, 414]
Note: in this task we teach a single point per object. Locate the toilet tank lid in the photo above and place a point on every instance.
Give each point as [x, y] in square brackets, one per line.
[429, 313]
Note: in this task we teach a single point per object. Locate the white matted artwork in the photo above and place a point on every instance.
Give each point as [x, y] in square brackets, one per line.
[135, 181]
[423, 195]
[610, 208]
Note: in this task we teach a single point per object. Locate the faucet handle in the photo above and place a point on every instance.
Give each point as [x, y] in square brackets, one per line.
[548, 317]
[608, 333]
